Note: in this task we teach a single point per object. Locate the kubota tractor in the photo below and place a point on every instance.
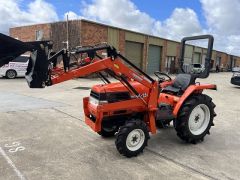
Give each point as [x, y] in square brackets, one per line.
[133, 107]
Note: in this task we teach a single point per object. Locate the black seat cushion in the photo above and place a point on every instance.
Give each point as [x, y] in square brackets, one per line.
[180, 84]
[171, 89]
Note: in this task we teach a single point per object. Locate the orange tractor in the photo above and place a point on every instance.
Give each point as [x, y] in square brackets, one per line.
[137, 104]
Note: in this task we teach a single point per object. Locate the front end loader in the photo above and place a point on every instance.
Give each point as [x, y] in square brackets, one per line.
[135, 106]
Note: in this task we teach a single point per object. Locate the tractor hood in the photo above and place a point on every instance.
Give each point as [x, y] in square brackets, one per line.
[11, 48]
[118, 87]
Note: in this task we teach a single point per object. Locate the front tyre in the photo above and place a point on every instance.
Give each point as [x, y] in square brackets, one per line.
[195, 118]
[108, 131]
[132, 138]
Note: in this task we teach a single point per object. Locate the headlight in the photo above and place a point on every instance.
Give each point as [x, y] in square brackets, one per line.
[93, 101]
[96, 102]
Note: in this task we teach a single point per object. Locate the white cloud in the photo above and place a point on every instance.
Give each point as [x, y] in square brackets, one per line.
[42, 11]
[221, 15]
[121, 13]
[222, 21]
[178, 26]
[38, 11]
[71, 15]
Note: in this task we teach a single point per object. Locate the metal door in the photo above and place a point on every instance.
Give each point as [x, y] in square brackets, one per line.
[196, 58]
[154, 59]
[134, 52]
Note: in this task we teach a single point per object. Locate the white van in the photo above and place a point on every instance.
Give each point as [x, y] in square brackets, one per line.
[15, 68]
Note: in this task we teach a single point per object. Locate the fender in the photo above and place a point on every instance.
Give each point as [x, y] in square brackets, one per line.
[190, 90]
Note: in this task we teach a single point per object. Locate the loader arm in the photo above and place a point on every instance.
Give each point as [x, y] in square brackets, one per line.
[114, 64]
[119, 69]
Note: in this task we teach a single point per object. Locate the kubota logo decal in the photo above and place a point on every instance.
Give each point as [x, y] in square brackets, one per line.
[144, 95]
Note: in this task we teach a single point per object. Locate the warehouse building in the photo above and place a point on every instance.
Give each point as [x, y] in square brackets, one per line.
[148, 52]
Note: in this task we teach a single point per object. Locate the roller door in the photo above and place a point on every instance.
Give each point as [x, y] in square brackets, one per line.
[188, 56]
[196, 58]
[134, 52]
[154, 59]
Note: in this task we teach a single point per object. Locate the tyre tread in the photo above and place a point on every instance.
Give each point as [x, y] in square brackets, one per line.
[122, 135]
[182, 121]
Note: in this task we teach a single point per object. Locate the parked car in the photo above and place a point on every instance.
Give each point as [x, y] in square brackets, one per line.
[15, 68]
[197, 68]
[235, 80]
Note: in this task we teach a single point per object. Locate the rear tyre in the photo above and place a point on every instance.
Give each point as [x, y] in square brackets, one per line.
[132, 138]
[195, 118]
[11, 74]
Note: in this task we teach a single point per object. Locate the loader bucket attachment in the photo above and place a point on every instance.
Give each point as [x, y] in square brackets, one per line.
[37, 74]
[11, 48]
[37, 71]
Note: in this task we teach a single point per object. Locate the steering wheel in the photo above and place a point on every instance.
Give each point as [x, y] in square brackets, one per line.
[162, 76]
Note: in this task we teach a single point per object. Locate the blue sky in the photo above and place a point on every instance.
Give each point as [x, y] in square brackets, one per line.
[158, 9]
[162, 9]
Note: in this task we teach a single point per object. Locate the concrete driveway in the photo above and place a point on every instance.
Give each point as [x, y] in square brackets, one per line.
[43, 136]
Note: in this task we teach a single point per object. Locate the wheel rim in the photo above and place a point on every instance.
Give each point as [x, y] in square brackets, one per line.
[135, 139]
[11, 74]
[199, 119]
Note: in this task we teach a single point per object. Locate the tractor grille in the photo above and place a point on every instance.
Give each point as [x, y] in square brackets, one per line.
[111, 97]
[118, 96]
[98, 96]
[95, 95]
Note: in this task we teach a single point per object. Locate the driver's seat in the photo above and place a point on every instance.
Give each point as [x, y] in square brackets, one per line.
[180, 84]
